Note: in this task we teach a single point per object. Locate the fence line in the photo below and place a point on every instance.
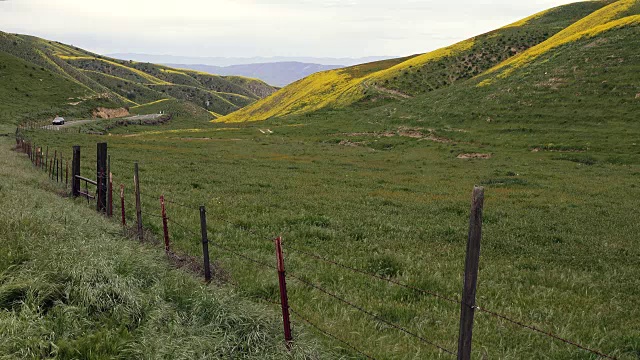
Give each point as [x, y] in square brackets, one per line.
[39, 159]
[326, 333]
[361, 309]
[451, 300]
[358, 271]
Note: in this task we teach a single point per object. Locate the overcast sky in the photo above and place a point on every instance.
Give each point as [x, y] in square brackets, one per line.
[247, 28]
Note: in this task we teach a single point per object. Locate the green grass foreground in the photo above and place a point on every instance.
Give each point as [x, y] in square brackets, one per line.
[71, 287]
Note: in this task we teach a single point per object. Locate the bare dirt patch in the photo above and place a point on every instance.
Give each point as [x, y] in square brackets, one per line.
[351, 143]
[410, 132]
[474, 156]
[537, 149]
[597, 42]
[638, 96]
[437, 139]
[415, 133]
[553, 83]
[104, 113]
[392, 92]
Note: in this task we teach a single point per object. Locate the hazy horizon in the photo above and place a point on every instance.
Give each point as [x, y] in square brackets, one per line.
[273, 28]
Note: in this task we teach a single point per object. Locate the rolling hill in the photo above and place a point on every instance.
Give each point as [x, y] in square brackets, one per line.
[49, 78]
[421, 74]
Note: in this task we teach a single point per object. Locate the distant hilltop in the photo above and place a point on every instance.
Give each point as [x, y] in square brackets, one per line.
[230, 61]
[276, 74]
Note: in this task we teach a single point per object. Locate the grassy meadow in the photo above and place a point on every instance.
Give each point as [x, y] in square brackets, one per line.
[559, 228]
[72, 287]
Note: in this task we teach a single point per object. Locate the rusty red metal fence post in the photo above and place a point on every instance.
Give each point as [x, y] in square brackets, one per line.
[468, 304]
[165, 228]
[205, 244]
[284, 299]
[124, 219]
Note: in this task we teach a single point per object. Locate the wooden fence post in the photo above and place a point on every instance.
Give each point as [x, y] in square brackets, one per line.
[136, 183]
[110, 196]
[60, 170]
[468, 306]
[165, 229]
[66, 175]
[284, 299]
[124, 219]
[109, 188]
[53, 163]
[46, 159]
[101, 176]
[75, 172]
[205, 244]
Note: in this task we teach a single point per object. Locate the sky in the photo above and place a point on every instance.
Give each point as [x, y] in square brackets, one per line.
[249, 28]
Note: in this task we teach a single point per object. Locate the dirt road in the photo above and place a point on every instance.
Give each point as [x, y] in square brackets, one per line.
[81, 122]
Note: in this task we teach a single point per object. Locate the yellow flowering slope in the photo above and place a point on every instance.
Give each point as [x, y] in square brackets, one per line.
[598, 22]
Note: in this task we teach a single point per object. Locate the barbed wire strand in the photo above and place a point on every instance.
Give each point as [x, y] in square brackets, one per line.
[247, 258]
[190, 207]
[331, 262]
[361, 309]
[326, 333]
[442, 297]
[549, 334]
[150, 214]
[183, 227]
[335, 263]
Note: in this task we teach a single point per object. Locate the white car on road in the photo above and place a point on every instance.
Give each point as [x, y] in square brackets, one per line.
[58, 120]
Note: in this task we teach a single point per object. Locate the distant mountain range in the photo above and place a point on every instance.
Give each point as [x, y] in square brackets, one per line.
[277, 71]
[41, 78]
[276, 74]
[230, 61]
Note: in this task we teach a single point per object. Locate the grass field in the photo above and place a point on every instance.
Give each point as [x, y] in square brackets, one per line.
[72, 287]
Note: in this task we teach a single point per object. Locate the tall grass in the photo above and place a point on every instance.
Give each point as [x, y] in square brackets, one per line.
[72, 287]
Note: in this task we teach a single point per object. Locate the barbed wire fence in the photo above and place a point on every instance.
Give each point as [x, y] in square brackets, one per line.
[57, 171]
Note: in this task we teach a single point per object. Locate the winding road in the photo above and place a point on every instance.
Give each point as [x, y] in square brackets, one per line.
[72, 123]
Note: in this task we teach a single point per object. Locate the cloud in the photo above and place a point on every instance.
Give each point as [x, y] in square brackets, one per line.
[263, 27]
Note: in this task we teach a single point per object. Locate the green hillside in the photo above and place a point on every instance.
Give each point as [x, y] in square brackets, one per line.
[117, 83]
[134, 92]
[30, 92]
[220, 103]
[418, 74]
